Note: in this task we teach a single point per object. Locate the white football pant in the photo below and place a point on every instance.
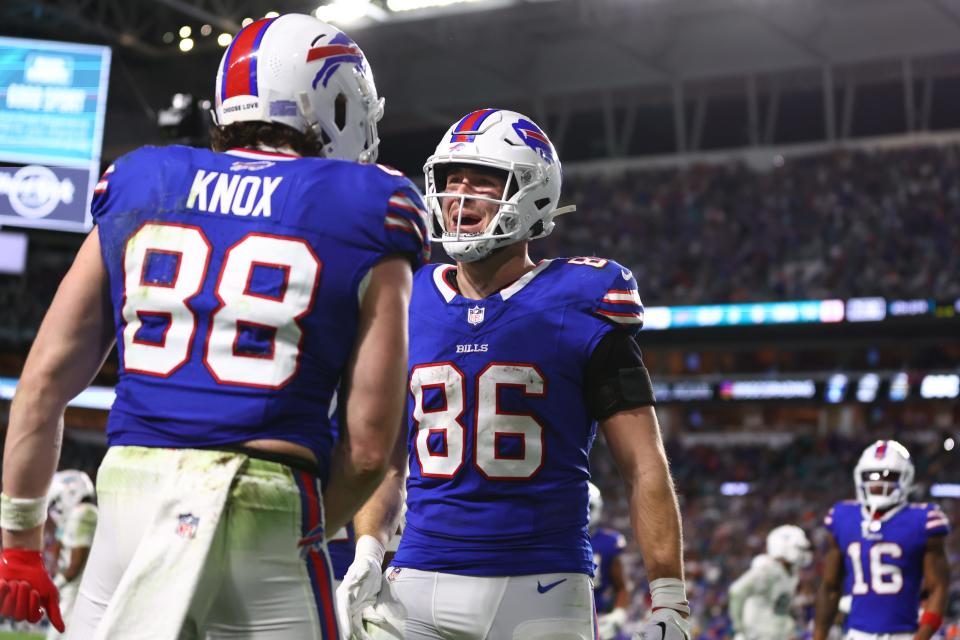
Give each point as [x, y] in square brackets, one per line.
[204, 544]
[427, 605]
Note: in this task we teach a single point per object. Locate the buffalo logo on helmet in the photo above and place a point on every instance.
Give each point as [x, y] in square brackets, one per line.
[534, 138]
[341, 50]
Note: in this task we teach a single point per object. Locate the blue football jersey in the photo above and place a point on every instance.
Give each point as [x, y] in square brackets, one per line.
[235, 280]
[607, 544]
[883, 568]
[500, 432]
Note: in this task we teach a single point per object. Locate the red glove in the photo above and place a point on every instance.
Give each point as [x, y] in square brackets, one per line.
[26, 590]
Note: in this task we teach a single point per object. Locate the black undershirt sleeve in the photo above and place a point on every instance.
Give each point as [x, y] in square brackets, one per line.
[615, 378]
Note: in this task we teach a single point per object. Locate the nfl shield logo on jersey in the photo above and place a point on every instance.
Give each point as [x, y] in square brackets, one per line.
[187, 526]
[475, 315]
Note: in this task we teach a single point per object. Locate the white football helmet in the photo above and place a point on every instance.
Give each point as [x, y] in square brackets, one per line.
[595, 505]
[883, 476]
[68, 489]
[301, 72]
[512, 143]
[788, 542]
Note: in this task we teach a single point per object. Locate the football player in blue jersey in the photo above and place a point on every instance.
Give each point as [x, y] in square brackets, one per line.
[513, 366]
[241, 285]
[883, 549]
[611, 584]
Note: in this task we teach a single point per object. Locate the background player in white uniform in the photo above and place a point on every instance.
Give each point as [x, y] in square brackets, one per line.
[75, 516]
[242, 286]
[611, 584]
[760, 600]
[513, 366]
[883, 550]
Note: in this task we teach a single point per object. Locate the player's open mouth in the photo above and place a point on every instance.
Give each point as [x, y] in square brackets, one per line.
[469, 223]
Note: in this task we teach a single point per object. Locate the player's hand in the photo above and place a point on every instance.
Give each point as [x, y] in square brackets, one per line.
[610, 624]
[360, 587]
[25, 588]
[664, 624]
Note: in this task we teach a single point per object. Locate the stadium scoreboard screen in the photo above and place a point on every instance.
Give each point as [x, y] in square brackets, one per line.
[53, 97]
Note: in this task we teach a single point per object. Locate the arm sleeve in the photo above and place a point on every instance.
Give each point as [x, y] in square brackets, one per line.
[740, 590]
[937, 522]
[829, 520]
[405, 224]
[616, 378]
[620, 303]
[101, 194]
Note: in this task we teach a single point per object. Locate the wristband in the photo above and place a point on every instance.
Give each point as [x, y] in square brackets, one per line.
[931, 619]
[370, 547]
[669, 593]
[20, 514]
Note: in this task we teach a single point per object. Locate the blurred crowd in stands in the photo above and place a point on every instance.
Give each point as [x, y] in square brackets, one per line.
[796, 484]
[834, 225]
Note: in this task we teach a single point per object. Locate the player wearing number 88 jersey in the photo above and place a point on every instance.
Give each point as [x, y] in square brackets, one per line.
[883, 550]
[513, 365]
[242, 286]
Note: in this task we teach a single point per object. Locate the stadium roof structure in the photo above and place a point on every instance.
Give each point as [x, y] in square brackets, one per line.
[552, 57]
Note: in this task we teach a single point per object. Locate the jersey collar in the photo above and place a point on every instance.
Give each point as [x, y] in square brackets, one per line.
[258, 154]
[449, 293]
[515, 288]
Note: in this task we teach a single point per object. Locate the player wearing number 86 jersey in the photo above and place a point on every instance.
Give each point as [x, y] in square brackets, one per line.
[883, 550]
[242, 286]
[513, 366]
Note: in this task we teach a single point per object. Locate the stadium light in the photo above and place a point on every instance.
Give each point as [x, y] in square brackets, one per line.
[945, 490]
[271, 14]
[735, 488]
[206, 30]
[185, 31]
[224, 39]
[186, 44]
[246, 21]
[414, 5]
[949, 444]
[344, 12]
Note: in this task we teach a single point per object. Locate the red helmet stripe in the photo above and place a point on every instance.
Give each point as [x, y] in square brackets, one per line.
[469, 123]
[881, 450]
[239, 70]
[332, 50]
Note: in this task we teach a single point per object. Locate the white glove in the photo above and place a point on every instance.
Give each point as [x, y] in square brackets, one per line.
[610, 624]
[360, 587]
[739, 636]
[664, 624]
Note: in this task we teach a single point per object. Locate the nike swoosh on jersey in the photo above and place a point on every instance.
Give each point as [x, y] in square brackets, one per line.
[543, 588]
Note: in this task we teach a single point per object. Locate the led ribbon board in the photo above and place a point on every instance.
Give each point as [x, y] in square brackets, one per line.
[53, 98]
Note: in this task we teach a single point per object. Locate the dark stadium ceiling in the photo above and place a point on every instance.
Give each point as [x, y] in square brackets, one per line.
[543, 56]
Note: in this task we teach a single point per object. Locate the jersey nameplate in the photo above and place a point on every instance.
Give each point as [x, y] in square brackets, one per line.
[216, 192]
